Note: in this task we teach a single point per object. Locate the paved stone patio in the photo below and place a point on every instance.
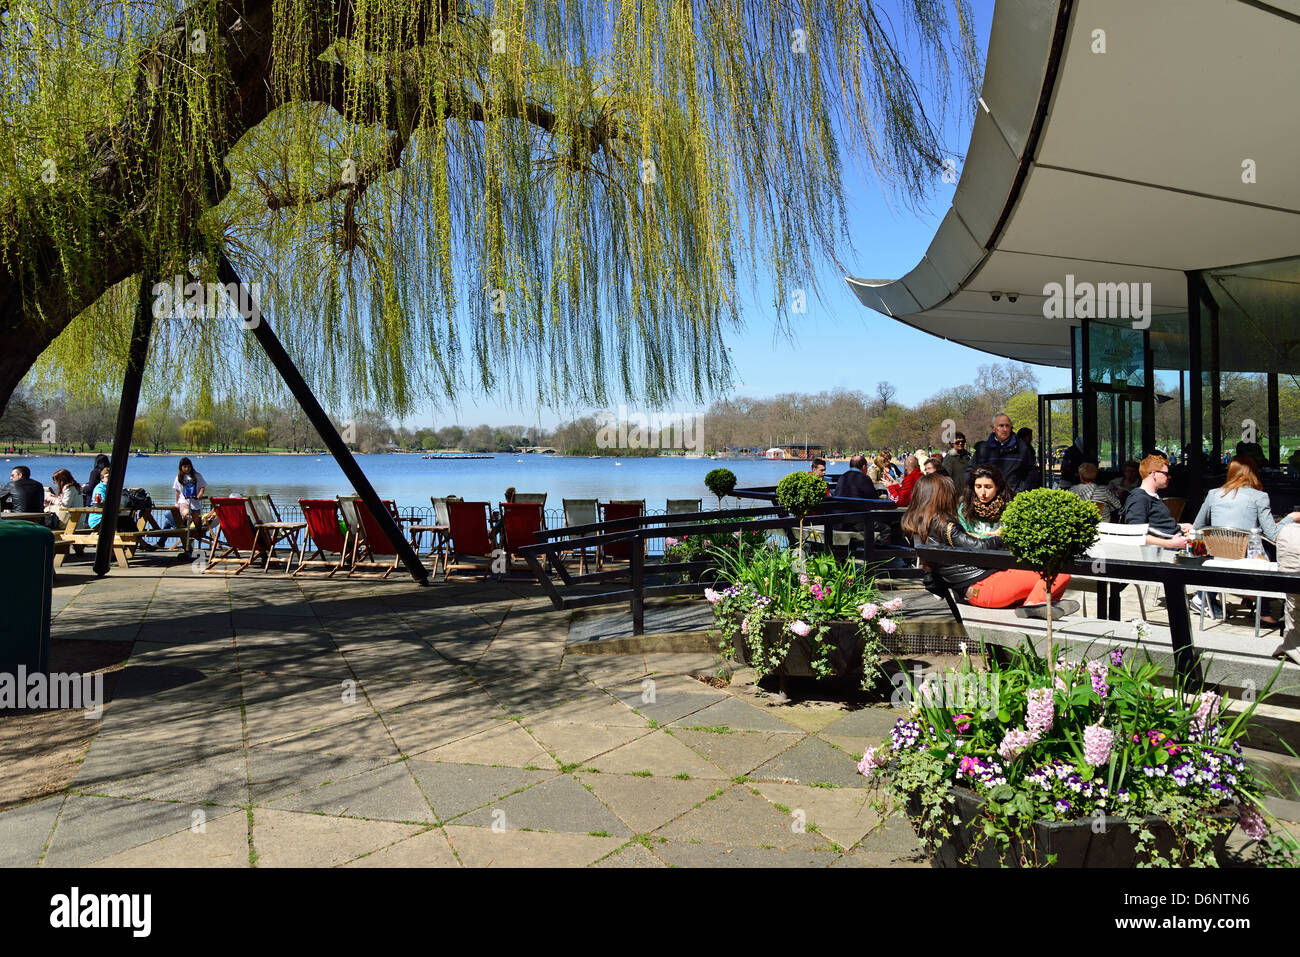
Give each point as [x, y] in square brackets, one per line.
[264, 721]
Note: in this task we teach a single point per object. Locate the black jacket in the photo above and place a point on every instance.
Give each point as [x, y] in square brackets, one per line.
[24, 495]
[959, 577]
[855, 484]
[1014, 458]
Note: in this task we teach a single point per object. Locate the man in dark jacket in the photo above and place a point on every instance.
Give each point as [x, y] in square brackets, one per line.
[22, 493]
[855, 483]
[955, 462]
[1008, 452]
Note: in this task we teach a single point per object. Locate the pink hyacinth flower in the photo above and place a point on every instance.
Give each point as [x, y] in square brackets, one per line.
[870, 610]
[1096, 744]
[711, 596]
[1040, 711]
[671, 543]
[870, 762]
[888, 626]
[894, 604]
[1251, 821]
[1015, 742]
[744, 626]
[800, 628]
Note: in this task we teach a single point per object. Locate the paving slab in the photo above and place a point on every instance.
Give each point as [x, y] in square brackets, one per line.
[665, 706]
[866, 722]
[843, 815]
[661, 755]
[737, 817]
[454, 789]
[182, 741]
[388, 793]
[560, 804]
[275, 771]
[430, 849]
[24, 831]
[506, 743]
[363, 737]
[634, 855]
[417, 734]
[812, 761]
[483, 847]
[213, 840]
[573, 742]
[291, 839]
[221, 779]
[738, 715]
[737, 752]
[645, 804]
[685, 854]
[90, 828]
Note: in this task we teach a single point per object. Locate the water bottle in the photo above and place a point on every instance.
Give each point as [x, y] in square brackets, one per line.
[1255, 547]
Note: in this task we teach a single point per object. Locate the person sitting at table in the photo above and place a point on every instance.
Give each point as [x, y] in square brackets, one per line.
[983, 501]
[855, 483]
[1122, 485]
[189, 486]
[911, 475]
[1241, 503]
[1144, 506]
[22, 493]
[931, 519]
[932, 466]
[88, 490]
[97, 498]
[1090, 491]
[63, 495]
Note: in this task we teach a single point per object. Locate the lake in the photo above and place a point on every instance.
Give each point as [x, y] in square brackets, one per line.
[410, 479]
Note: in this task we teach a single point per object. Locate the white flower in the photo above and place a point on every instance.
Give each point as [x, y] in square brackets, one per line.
[962, 645]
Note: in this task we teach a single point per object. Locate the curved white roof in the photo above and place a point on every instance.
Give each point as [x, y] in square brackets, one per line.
[1127, 165]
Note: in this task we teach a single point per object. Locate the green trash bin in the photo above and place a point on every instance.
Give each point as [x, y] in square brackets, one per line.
[27, 570]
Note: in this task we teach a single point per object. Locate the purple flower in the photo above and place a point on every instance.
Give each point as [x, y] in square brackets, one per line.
[1097, 742]
[1063, 806]
[1097, 671]
[1252, 822]
[1040, 711]
[1117, 657]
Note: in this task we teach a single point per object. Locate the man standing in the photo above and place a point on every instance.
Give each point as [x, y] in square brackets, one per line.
[855, 483]
[954, 463]
[1006, 450]
[1145, 508]
[22, 493]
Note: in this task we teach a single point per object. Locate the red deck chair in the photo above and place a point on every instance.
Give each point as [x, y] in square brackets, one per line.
[610, 511]
[373, 540]
[470, 534]
[237, 533]
[520, 521]
[323, 533]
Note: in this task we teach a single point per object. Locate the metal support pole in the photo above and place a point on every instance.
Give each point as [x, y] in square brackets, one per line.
[1195, 381]
[1148, 396]
[261, 328]
[1090, 440]
[636, 566]
[141, 330]
[1274, 424]
[1216, 382]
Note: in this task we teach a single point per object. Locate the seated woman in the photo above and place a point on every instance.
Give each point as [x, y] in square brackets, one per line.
[983, 501]
[63, 495]
[931, 519]
[1090, 491]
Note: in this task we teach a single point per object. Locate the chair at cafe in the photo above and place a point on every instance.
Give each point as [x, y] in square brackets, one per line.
[520, 523]
[1176, 506]
[237, 532]
[373, 543]
[613, 511]
[323, 535]
[470, 536]
[581, 511]
[683, 506]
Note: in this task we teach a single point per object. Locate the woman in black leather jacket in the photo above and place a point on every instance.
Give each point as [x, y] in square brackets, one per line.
[932, 518]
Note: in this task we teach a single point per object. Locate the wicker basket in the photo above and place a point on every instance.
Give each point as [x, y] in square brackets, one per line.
[1226, 542]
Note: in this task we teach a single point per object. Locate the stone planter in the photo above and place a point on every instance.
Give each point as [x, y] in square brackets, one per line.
[1075, 843]
[846, 656]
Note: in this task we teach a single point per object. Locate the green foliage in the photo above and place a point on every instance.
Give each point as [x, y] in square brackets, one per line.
[1171, 754]
[721, 482]
[1049, 528]
[801, 492]
[198, 433]
[771, 593]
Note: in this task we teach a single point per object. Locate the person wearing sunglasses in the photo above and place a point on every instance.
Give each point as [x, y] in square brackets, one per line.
[1144, 506]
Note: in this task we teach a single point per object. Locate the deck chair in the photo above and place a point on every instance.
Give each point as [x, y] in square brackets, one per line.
[374, 543]
[530, 498]
[683, 506]
[611, 511]
[520, 521]
[237, 532]
[265, 513]
[581, 511]
[469, 536]
[323, 533]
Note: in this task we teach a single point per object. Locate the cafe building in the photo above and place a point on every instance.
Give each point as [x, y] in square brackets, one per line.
[1129, 208]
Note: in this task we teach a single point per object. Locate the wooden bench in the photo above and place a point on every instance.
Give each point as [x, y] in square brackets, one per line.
[75, 534]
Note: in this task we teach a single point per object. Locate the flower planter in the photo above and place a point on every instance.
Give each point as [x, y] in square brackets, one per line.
[1075, 843]
[845, 657]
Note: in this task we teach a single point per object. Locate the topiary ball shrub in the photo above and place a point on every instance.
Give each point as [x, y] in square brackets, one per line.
[1049, 528]
[801, 492]
[721, 482]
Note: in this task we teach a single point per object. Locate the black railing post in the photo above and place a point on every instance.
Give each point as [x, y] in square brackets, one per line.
[275, 351]
[1180, 631]
[141, 330]
[636, 565]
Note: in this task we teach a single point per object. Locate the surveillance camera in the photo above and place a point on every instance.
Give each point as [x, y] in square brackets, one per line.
[1013, 296]
[996, 296]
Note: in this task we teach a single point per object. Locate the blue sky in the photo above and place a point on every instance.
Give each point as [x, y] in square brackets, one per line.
[839, 343]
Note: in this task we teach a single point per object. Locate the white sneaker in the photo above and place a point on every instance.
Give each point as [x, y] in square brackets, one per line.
[1200, 607]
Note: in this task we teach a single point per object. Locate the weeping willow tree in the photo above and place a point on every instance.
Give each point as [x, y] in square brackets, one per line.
[549, 199]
